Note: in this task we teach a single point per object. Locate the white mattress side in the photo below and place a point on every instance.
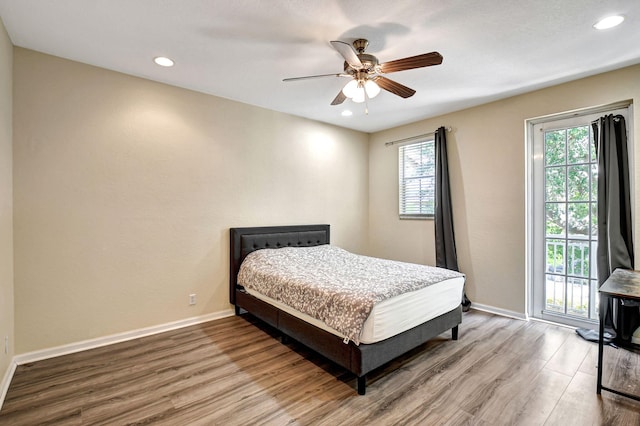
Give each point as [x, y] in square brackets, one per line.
[394, 315]
[405, 311]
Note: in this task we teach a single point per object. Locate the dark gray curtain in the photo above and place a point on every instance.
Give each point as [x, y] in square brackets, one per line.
[615, 239]
[446, 256]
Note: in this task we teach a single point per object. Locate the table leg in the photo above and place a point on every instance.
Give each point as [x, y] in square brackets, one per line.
[604, 304]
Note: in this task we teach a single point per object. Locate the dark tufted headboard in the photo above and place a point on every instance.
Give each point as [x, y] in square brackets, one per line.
[245, 240]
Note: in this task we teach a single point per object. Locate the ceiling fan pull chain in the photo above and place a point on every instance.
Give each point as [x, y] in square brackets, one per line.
[366, 102]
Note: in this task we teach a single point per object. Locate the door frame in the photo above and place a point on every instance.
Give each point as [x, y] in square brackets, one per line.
[533, 152]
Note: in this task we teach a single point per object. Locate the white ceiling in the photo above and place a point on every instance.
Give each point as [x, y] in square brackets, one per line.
[242, 49]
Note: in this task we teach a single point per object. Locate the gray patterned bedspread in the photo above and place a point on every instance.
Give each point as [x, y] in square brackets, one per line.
[332, 284]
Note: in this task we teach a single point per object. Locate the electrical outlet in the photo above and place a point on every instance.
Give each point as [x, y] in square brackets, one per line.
[192, 299]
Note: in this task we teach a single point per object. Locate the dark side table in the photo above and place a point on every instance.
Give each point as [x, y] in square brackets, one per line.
[621, 284]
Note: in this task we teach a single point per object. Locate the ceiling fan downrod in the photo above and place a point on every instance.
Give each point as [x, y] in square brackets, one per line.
[360, 45]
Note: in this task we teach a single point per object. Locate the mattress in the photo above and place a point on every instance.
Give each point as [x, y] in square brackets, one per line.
[395, 315]
[333, 285]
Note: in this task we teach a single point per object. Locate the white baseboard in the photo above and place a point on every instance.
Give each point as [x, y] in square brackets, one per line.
[6, 380]
[116, 338]
[498, 311]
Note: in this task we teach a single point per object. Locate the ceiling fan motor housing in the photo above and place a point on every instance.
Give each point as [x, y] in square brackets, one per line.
[369, 64]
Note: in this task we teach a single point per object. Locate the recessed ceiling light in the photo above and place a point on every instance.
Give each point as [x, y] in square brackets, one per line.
[347, 113]
[163, 62]
[608, 22]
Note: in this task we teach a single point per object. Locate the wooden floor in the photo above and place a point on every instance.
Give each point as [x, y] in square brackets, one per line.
[236, 371]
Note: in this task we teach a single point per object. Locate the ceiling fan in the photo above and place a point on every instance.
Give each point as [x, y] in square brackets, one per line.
[366, 72]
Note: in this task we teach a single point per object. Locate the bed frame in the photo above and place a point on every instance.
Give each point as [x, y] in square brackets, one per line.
[358, 359]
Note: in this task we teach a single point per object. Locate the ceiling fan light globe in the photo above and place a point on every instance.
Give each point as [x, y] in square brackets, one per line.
[350, 89]
[372, 89]
[358, 97]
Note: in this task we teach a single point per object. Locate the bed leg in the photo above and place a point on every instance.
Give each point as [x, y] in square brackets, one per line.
[237, 308]
[454, 333]
[362, 385]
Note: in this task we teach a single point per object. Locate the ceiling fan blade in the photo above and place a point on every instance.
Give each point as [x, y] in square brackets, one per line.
[315, 76]
[419, 61]
[394, 87]
[339, 99]
[348, 54]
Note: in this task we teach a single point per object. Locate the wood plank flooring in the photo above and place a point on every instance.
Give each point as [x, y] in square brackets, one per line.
[235, 371]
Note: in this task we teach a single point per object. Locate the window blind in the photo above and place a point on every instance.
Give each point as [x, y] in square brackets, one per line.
[417, 179]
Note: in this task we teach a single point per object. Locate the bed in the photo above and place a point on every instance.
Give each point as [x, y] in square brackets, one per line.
[359, 359]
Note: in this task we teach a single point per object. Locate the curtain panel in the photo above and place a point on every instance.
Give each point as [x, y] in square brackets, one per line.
[446, 256]
[615, 238]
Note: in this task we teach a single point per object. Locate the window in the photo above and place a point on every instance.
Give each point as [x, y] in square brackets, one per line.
[417, 170]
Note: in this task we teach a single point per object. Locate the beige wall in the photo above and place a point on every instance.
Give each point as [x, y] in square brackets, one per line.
[6, 201]
[487, 171]
[125, 190]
